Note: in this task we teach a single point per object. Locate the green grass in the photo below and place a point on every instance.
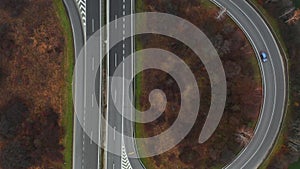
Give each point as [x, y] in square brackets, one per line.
[67, 117]
[207, 4]
[295, 165]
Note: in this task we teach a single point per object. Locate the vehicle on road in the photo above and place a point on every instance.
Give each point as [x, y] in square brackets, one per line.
[263, 56]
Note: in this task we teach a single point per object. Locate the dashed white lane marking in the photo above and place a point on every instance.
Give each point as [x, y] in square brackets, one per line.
[93, 63]
[91, 139]
[93, 25]
[116, 57]
[113, 166]
[116, 23]
[115, 133]
[123, 13]
[92, 100]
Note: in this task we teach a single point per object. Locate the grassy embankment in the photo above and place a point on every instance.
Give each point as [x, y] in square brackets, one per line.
[273, 24]
[67, 117]
[139, 130]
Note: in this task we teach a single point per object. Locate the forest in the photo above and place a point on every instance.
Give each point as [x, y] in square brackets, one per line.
[32, 79]
[244, 90]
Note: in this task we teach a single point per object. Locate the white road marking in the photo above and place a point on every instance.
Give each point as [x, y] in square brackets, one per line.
[115, 96]
[116, 59]
[92, 100]
[123, 13]
[115, 133]
[113, 165]
[116, 23]
[93, 25]
[93, 62]
[124, 6]
[91, 139]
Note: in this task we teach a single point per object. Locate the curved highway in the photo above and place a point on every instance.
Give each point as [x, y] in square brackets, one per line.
[274, 83]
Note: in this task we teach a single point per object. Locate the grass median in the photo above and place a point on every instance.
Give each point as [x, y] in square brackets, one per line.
[67, 118]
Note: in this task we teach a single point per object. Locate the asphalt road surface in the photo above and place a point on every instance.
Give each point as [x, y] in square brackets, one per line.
[117, 9]
[274, 83]
[86, 154]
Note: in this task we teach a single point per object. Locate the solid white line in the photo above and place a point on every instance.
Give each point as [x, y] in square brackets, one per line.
[93, 25]
[262, 72]
[123, 97]
[107, 78]
[100, 86]
[116, 21]
[275, 93]
[116, 59]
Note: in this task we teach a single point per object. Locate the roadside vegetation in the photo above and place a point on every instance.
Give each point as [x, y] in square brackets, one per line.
[283, 17]
[243, 86]
[36, 110]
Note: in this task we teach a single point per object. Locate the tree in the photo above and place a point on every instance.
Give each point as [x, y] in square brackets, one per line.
[15, 155]
[11, 119]
[294, 18]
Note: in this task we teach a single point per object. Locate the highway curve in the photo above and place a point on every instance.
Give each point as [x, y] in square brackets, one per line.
[274, 83]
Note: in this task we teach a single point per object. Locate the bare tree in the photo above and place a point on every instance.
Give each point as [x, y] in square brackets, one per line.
[244, 135]
[294, 17]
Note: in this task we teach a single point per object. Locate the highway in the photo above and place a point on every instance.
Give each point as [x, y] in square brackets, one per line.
[117, 9]
[274, 83]
[86, 152]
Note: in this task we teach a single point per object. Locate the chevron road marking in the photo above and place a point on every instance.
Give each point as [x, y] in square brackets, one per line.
[81, 5]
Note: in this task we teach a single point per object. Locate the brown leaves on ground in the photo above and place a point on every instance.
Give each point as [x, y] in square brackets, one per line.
[32, 72]
[243, 88]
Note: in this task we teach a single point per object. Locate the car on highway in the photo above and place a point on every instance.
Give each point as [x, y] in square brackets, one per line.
[263, 56]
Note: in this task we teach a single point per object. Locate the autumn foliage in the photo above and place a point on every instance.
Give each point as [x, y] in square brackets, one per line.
[31, 85]
[243, 87]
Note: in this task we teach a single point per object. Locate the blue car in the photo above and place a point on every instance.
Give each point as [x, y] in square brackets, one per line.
[263, 56]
